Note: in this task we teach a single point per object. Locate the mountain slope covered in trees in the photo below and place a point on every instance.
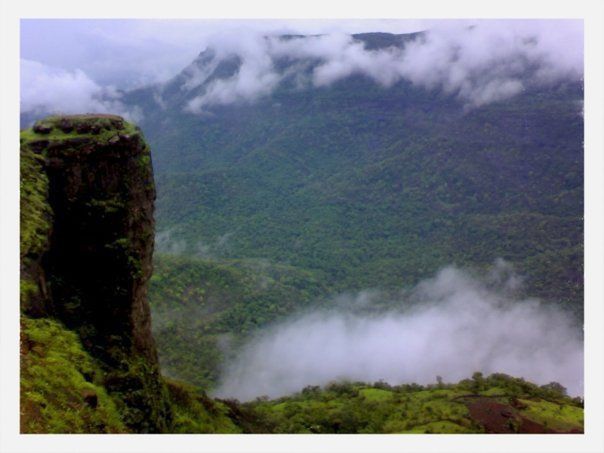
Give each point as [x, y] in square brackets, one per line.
[371, 186]
[358, 185]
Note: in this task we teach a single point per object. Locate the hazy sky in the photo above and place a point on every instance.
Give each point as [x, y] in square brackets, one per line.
[127, 53]
[135, 52]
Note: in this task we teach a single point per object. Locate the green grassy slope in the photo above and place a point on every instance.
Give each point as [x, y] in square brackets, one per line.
[62, 387]
[63, 390]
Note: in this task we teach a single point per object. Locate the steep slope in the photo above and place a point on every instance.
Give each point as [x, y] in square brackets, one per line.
[372, 186]
[89, 269]
[62, 386]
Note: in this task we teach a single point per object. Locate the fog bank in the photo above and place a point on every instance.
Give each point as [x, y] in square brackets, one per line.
[454, 324]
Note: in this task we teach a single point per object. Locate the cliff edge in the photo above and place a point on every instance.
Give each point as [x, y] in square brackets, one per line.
[87, 232]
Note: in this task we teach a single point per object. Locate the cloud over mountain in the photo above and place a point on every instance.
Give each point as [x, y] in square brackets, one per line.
[45, 89]
[476, 61]
[479, 62]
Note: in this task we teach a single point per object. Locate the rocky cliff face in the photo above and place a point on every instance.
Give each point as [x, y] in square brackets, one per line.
[87, 229]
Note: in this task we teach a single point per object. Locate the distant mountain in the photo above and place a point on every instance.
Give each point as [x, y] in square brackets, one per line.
[371, 186]
[209, 67]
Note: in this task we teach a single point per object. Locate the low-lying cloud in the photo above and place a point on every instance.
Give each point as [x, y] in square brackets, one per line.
[45, 90]
[454, 325]
[168, 242]
[479, 62]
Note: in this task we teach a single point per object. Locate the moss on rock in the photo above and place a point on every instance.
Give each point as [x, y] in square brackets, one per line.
[194, 412]
[61, 384]
[87, 197]
[35, 221]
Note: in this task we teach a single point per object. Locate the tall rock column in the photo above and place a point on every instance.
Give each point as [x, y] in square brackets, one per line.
[99, 254]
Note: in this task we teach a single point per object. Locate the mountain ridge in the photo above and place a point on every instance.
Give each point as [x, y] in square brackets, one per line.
[355, 147]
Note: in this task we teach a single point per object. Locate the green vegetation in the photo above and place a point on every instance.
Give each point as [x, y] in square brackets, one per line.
[358, 187]
[62, 389]
[35, 219]
[554, 415]
[34, 209]
[369, 187]
[348, 407]
[194, 412]
[142, 397]
[65, 127]
[202, 309]
[65, 390]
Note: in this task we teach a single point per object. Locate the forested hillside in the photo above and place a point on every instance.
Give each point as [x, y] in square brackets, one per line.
[203, 310]
[371, 186]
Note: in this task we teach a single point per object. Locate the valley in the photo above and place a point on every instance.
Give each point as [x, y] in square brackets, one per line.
[286, 241]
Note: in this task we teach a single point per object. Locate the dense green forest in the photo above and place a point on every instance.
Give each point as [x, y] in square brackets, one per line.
[203, 309]
[369, 186]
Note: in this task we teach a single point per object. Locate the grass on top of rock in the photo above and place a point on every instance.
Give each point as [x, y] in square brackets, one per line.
[100, 127]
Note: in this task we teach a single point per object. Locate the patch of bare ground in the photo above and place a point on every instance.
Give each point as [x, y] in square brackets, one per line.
[499, 418]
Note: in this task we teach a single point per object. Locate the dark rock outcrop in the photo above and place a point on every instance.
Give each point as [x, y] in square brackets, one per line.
[92, 268]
